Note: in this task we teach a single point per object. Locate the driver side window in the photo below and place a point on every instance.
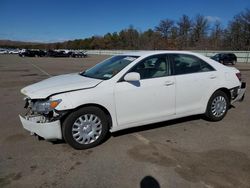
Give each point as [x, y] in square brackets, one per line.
[153, 67]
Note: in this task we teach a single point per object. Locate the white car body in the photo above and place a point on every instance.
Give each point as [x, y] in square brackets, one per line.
[2, 51]
[15, 51]
[153, 100]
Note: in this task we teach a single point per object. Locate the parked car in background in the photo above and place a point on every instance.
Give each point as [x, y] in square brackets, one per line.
[13, 51]
[129, 90]
[66, 53]
[225, 58]
[60, 53]
[78, 54]
[3, 51]
[32, 53]
[49, 53]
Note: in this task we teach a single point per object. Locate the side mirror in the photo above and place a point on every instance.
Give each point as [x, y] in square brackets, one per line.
[132, 77]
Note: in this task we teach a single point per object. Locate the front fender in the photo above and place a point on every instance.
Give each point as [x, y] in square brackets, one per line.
[66, 103]
[98, 96]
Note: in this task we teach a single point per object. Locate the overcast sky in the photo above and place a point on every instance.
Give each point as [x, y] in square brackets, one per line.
[59, 20]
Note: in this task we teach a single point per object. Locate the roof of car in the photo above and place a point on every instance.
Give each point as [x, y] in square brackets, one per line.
[155, 52]
[223, 53]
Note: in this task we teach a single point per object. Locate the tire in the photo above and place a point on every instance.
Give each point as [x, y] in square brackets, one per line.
[85, 135]
[217, 106]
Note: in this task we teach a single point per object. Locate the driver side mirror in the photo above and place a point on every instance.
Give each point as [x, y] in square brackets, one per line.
[132, 77]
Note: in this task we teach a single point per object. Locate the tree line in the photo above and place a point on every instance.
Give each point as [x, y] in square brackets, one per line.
[183, 34]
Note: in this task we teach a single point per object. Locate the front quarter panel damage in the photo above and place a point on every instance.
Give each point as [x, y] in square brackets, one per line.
[66, 103]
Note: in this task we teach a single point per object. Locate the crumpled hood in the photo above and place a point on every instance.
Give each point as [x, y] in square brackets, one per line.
[58, 84]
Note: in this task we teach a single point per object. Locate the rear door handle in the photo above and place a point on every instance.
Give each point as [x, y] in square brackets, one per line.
[169, 83]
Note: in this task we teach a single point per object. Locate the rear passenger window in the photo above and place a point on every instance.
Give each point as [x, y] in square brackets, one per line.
[186, 64]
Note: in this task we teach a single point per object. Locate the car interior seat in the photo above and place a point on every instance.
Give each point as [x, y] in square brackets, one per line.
[160, 68]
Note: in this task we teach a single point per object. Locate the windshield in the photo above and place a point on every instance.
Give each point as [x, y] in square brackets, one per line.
[109, 68]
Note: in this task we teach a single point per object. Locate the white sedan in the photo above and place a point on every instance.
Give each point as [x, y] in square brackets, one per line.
[129, 90]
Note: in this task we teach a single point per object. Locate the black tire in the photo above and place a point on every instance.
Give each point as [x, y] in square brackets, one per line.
[68, 123]
[210, 114]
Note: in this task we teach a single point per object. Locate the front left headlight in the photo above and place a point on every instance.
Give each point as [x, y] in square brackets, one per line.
[45, 106]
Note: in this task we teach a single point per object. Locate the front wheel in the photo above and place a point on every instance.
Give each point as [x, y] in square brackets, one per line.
[217, 106]
[85, 128]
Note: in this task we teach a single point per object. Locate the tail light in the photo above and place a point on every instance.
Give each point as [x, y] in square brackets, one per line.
[238, 76]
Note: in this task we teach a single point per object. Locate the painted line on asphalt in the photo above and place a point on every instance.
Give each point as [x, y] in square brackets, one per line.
[41, 70]
[206, 185]
[141, 138]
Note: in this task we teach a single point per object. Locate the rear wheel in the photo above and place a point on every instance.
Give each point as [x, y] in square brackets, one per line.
[217, 107]
[85, 128]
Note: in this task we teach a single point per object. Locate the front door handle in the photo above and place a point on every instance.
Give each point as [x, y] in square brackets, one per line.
[169, 83]
[212, 76]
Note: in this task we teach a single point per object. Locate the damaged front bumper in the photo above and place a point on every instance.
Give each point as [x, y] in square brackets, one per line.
[47, 130]
[240, 93]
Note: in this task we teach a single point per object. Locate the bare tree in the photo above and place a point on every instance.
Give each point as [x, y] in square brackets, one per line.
[184, 28]
[172, 44]
[216, 36]
[130, 38]
[150, 40]
[164, 27]
[199, 31]
[238, 36]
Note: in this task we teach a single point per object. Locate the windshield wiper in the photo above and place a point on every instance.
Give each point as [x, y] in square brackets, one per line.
[82, 74]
